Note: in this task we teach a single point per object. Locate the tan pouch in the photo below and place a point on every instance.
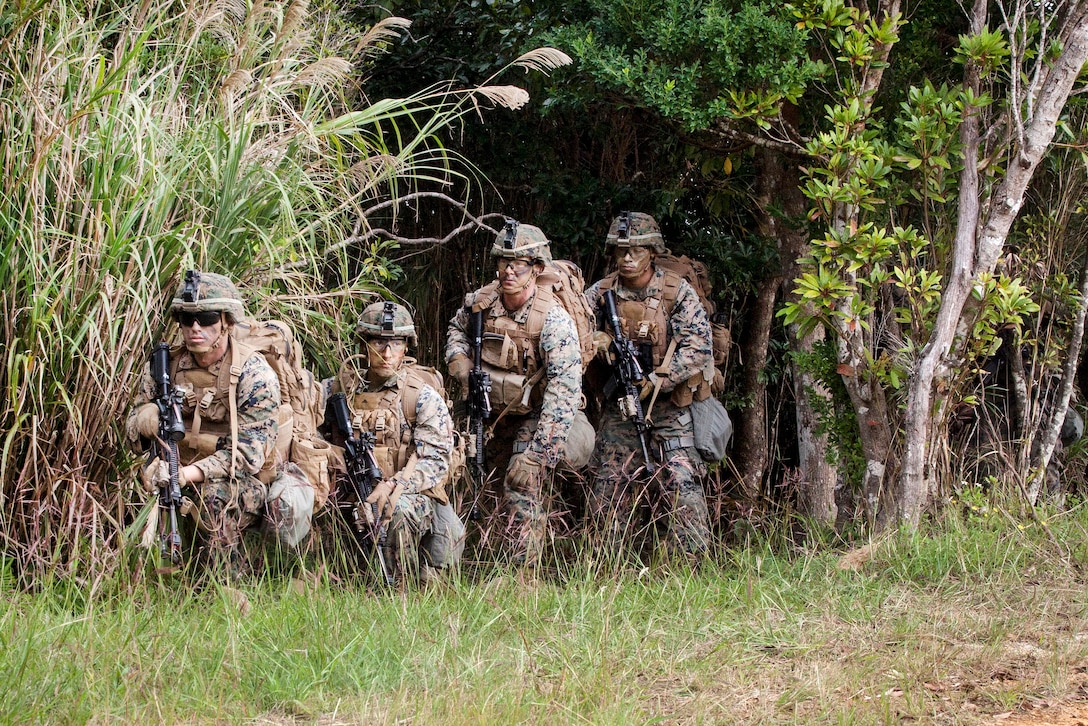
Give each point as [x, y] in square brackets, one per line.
[509, 388]
[312, 457]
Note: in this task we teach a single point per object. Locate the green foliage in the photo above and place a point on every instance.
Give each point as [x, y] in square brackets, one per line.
[139, 141]
[698, 63]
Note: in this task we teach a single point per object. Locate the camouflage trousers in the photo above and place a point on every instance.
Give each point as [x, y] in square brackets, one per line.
[674, 496]
[412, 520]
[523, 510]
[228, 508]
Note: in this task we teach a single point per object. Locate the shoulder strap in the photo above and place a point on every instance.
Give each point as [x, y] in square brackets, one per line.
[240, 353]
[410, 388]
[670, 289]
[486, 296]
[608, 281]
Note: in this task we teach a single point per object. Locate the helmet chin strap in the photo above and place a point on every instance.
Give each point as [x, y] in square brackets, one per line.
[531, 275]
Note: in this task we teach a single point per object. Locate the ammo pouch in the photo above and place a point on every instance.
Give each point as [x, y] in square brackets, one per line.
[312, 457]
[509, 388]
[712, 428]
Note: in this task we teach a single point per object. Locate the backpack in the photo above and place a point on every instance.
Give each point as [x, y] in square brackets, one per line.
[697, 275]
[276, 342]
[564, 279]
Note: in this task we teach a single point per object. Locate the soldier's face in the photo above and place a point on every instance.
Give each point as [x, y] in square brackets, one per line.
[513, 274]
[386, 355]
[200, 338]
[632, 262]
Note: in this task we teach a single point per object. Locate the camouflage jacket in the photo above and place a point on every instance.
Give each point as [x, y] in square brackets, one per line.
[558, 349]
[258, 407]
[688, 325]
[431, 435]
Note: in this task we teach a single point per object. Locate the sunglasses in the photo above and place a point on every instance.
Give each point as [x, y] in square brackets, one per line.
[207, 318]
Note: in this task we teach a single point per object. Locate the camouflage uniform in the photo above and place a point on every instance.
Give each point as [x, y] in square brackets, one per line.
[232, 498]
[542, 430]
[413, 447]
[676, 483]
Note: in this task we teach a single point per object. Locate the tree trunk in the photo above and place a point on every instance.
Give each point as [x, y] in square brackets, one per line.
[976, 247]
[817, 493]
[1053, 426]
[780, 198]
[751, 448]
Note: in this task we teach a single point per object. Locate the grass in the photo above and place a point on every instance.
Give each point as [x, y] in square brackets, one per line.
[968, 620]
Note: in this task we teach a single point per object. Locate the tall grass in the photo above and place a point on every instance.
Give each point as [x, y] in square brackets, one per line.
[979, 617]
[139, 138]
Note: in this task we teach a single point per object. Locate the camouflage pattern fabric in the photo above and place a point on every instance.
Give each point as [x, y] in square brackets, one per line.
[675, 490]
[432, 437]
[688, 325]
[230, 505]
[543, 433]
[228, 508]
[412, 520]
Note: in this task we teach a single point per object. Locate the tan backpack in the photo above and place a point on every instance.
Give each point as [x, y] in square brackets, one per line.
[564, 279]
[275, 340]
[697, 275]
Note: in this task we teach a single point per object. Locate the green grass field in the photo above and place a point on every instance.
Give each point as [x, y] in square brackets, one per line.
[980, 615]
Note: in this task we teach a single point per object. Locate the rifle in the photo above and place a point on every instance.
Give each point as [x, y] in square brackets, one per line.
[171, 431]
[479, 402]
[363, 474]
[627, 374]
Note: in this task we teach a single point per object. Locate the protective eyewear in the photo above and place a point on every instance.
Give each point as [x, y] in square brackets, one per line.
[383, 344]
[206, 318]
[518, 266]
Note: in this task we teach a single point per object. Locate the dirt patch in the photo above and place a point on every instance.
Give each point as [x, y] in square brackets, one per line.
[1065, 715]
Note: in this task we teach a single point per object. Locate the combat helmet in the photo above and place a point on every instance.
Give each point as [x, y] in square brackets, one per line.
[522, 241]
[386, 320]
[208, 291]
[636, 229]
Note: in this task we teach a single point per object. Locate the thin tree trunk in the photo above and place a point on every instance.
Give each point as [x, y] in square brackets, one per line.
[1041, 459]
[780, 188]
[751, 448]
[975, 251]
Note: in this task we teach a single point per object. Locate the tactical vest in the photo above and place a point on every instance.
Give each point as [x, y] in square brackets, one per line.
[510, 350]
[207, 406]
[390, 414]
[646, 324]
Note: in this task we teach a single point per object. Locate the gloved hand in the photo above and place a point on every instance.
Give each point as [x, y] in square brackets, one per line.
[523, 471]
[157, 474]
[459, 367]
[602, 341]
[385, 497]
[145, 421]
[646, 388]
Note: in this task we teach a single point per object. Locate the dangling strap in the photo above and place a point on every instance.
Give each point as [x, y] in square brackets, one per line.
[661, 371]
[235, 374]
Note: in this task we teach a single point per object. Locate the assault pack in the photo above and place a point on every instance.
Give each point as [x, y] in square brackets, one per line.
[299, 391]
[697, 275]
